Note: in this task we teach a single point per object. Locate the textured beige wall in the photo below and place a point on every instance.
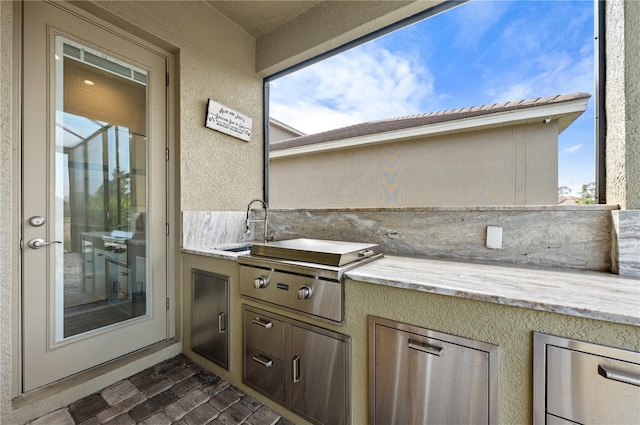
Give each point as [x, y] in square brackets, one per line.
[216, 60]
[513, 165]
[632, 83]
[327, 26]
[623, 103]
[8, 187]
[511, 328]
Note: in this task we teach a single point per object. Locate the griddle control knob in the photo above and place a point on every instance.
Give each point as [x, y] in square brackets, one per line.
[261, 282]
[305, 292]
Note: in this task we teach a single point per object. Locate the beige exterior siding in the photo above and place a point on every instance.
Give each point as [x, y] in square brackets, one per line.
[513, 165]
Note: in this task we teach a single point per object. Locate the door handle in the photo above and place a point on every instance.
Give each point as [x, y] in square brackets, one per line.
[221, 322]
[261, 322]
[296, 368]
[425, 348]
[264, 361]
[38, 243]
[618, 375]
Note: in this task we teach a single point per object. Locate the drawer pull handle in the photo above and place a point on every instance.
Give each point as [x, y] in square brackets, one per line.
[619, 375]
[366, 253]
[264, 361]
[221, 322]
[425, 348]
[260, 322]
[296, 368]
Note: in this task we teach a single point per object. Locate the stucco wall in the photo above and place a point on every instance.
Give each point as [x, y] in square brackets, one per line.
[623, 103]
[632, 84]
[216, 60]
[7, 226]
[327, 26]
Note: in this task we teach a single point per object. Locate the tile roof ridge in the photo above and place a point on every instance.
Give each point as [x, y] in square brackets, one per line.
[387, 124]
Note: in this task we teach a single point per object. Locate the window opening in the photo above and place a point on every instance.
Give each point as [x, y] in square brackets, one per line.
[479, 54]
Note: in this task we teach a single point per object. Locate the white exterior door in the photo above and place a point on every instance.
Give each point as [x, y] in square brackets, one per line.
[94, 211]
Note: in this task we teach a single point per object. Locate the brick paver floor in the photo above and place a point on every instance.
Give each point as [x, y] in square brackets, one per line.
[176, 391]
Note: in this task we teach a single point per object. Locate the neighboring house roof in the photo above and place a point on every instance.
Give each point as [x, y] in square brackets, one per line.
[563, 108]
[279, 124]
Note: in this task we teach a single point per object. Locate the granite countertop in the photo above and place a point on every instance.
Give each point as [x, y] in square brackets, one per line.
[595, 295]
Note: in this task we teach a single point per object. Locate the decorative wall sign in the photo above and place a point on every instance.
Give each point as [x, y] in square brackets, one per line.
[228, 121]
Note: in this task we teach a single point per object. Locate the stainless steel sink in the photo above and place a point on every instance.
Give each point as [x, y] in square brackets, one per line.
[241, 248]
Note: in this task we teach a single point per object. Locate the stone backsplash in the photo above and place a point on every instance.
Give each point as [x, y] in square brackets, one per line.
[579, 237]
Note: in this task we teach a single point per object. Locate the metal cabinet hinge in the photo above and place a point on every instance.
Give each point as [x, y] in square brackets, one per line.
[167, 304]
[166, 154]
[166, 226]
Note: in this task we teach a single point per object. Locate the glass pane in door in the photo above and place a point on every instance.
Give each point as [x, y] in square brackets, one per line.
[100, 190]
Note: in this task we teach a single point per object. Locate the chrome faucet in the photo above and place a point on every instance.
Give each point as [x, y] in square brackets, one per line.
[266, 216]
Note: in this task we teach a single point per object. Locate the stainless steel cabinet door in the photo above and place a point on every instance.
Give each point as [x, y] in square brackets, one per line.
[420, 380]
[209, 336]
[320, 377]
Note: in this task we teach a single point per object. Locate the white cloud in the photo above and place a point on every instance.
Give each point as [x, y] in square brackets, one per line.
[371, 82]
[360, 85]
[573, 148]
[544, 63]
[475, 19]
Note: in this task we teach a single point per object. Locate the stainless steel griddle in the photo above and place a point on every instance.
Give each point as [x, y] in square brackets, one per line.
[317, 251]
[303, 275]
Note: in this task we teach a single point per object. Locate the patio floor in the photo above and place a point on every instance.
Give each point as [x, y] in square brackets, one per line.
[176, 391]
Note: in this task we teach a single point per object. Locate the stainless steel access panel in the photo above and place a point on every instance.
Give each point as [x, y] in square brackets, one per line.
[584, 383]
[419, 376]
[209, 318]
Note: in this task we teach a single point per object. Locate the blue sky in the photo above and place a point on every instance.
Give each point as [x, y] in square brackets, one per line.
[481, 52]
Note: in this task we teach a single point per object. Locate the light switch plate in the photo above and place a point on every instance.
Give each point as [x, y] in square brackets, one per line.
[494, 237]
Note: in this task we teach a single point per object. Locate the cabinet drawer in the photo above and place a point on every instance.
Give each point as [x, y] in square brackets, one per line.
[264, 334]
[264, 372]
[578, 389]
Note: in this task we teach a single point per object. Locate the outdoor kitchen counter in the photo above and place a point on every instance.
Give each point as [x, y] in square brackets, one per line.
[594, 295]
[589, 294]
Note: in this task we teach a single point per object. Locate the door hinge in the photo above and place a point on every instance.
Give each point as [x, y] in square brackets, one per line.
[166, 154]
[166, 79]
[166, 227]
[167, 304]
